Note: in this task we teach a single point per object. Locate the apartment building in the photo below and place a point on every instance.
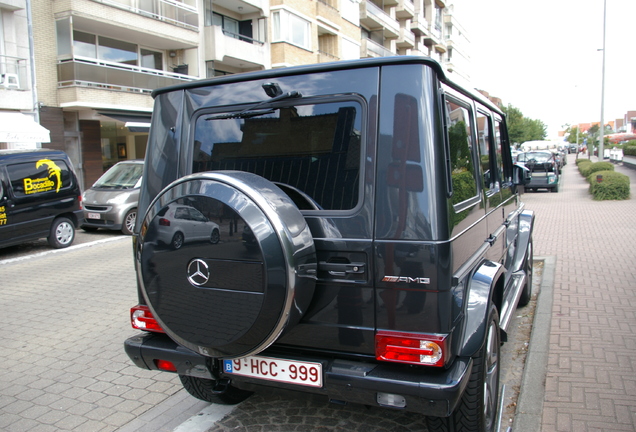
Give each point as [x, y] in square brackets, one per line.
[97, 61]
[19, 124]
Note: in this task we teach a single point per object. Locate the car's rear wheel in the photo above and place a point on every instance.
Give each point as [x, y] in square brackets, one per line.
[478, 408]
[232, 301]
[203, 389]
[177, 241]
[526, 292]
[62, 233]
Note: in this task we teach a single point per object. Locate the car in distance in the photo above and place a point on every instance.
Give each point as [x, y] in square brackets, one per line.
[573, 148]
[40, 197]
[386, 247]
[180, 223]
[544, 170]
[111, 202]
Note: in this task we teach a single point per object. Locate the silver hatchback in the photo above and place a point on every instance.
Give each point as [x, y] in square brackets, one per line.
[111, 202]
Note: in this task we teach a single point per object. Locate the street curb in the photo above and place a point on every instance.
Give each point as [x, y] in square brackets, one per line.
[530, 403]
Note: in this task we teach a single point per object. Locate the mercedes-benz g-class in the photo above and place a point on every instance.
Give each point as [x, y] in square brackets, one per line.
[372, 246]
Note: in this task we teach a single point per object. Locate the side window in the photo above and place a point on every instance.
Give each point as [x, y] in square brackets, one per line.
[487, 159]
[311, 151]
[42, 177]
[461, 139]
[499, 143]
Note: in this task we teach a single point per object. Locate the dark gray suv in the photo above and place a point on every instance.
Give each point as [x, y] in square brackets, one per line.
[372, 246]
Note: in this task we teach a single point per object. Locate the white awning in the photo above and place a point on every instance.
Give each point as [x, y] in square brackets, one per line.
[16, 127]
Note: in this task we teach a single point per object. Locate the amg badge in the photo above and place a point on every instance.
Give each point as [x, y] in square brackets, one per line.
[395, 279]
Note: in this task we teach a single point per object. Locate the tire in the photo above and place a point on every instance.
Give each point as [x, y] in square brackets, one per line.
[177, 241]
[62, 233]
[215, 236]
[201, 388]
[129, 222]
[555, 189]
[526, 292]
[478, 408]
[232, 301]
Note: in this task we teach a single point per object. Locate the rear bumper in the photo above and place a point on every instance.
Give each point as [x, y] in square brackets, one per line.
[431, 392]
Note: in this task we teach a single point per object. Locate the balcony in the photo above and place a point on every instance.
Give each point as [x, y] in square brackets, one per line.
[406, 39]
[170, 11]
[369, 48]
[236, 50]
[15, 88]
[374, 18]
[405, 9]
[419, 24]
[93, 73]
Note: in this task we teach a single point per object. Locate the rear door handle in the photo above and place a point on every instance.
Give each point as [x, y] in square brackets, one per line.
[341, 269]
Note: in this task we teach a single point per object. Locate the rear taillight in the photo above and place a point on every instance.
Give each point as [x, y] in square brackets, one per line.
[411, 348]
[79, 200]
[165, 365]
[164, 222]
[142, 319]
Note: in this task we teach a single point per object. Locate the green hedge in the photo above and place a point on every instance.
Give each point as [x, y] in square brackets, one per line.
[582, 160]
[630, 148]
[614, 186]
[589, 169]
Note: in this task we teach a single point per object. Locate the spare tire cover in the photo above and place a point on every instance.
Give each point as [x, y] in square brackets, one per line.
[235, 297]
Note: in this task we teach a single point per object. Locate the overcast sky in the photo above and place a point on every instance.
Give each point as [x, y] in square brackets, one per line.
[544, 57]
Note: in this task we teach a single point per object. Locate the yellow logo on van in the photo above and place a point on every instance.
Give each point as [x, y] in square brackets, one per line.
[45, 184]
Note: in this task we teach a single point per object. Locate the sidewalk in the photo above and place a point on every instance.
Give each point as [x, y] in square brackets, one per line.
[591, 352]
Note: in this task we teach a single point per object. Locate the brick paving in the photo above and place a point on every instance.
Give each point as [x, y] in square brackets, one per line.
[63, 321]
[591, 372]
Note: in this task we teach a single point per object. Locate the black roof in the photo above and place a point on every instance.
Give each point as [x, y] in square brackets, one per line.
[306, 69]
[16, 154]
[326, 67]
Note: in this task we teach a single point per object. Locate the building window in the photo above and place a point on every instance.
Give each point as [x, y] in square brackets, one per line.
[151, 59]
[113, 50]
[117, 51]
[292, 29]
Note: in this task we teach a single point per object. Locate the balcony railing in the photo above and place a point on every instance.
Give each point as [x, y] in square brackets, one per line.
[171, 11]
[374, 49]
[13, 73]
[243, 38]
[376, 14]
[87, 72]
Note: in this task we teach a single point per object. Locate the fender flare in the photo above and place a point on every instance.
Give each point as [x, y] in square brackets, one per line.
[526, 225]
[479, 293]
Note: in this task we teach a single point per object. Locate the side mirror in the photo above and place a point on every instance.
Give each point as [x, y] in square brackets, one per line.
[520, 175]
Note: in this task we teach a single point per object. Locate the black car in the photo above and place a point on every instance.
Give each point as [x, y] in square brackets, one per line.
[544, 169]
[40, 197]
[373, 245]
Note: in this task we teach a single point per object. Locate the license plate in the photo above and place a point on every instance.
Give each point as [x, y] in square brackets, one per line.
[275, 369]
[93, 216]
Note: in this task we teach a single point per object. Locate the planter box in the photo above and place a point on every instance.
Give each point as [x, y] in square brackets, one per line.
[629, 161]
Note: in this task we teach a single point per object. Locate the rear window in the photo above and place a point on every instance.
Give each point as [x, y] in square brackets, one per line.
[312, 150]
[42, 177]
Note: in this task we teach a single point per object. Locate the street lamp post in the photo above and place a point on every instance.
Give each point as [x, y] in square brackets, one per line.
[601, 140]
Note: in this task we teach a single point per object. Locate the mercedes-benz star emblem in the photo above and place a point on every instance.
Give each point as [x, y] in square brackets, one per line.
[198, 272]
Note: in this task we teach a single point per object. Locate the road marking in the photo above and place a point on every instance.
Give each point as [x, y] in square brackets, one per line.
[70, 248]
[205, 419]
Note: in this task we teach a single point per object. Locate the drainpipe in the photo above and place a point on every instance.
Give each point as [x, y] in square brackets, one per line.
[34, 93]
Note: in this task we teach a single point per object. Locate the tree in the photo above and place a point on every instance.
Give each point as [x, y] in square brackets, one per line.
[522, 129]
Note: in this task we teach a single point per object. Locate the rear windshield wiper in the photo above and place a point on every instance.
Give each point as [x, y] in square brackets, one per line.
[254, 111]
